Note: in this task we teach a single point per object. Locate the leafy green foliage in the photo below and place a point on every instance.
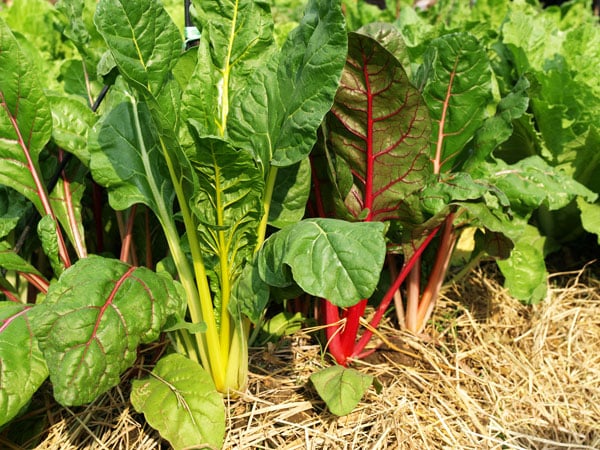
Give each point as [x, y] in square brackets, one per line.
[327, 258]
[25, 121]
[92, 321]
[22, 366]
[341, 388]
[180, 401]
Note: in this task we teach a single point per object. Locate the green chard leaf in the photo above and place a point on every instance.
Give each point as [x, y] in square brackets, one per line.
[328, 258]
[288, 204]
[25, 122]
[46, 230]
[228, 202]
[525, 270]
[288, 96]
[72, 120]
[77, 19]
[456, 81]
[497, 129]
[179, 399]
[22, 366]
[145, 45]
[237, 39]
[143, 40]
[126, 158]
[92, 321]
[341, 388]
[310, 66]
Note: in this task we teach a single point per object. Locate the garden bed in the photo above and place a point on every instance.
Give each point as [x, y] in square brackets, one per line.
[490, 373]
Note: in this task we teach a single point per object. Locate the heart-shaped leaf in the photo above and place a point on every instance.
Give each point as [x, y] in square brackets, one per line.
[341, 388]
[333, 259]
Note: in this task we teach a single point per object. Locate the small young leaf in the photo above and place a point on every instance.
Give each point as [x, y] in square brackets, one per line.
[46, 230]
[282, 324]
[22, 366]
[179, 399]
[333, 259]
[92, 321]
[341, 388]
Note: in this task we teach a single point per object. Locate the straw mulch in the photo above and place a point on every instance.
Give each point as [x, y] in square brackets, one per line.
[491, 373]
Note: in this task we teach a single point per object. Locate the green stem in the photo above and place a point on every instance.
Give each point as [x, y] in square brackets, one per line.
[269, 186]
[199, 297]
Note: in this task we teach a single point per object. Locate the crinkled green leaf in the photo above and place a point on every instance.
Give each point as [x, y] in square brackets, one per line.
[310, 66]
[525, 270]
[456, 81]
[341, 388]
[22, 366]
[228, 202]
[142, 38]
[288, 204]
[288, 96]
[499, 128]
[12, 207]
[531, 182]
[46, 230]
[380, 129]
[72, 119]
[333, 259]
[179, 399]
[25, 120]
[92, 321]
[255, 118]
[237, 40]
[77, 20]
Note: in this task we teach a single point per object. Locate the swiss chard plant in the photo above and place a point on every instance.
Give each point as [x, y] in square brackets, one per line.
[548, 54]
[417, 153]
[215, 143]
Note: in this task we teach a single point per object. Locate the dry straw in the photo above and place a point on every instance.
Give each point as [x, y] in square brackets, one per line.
[491, 373]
